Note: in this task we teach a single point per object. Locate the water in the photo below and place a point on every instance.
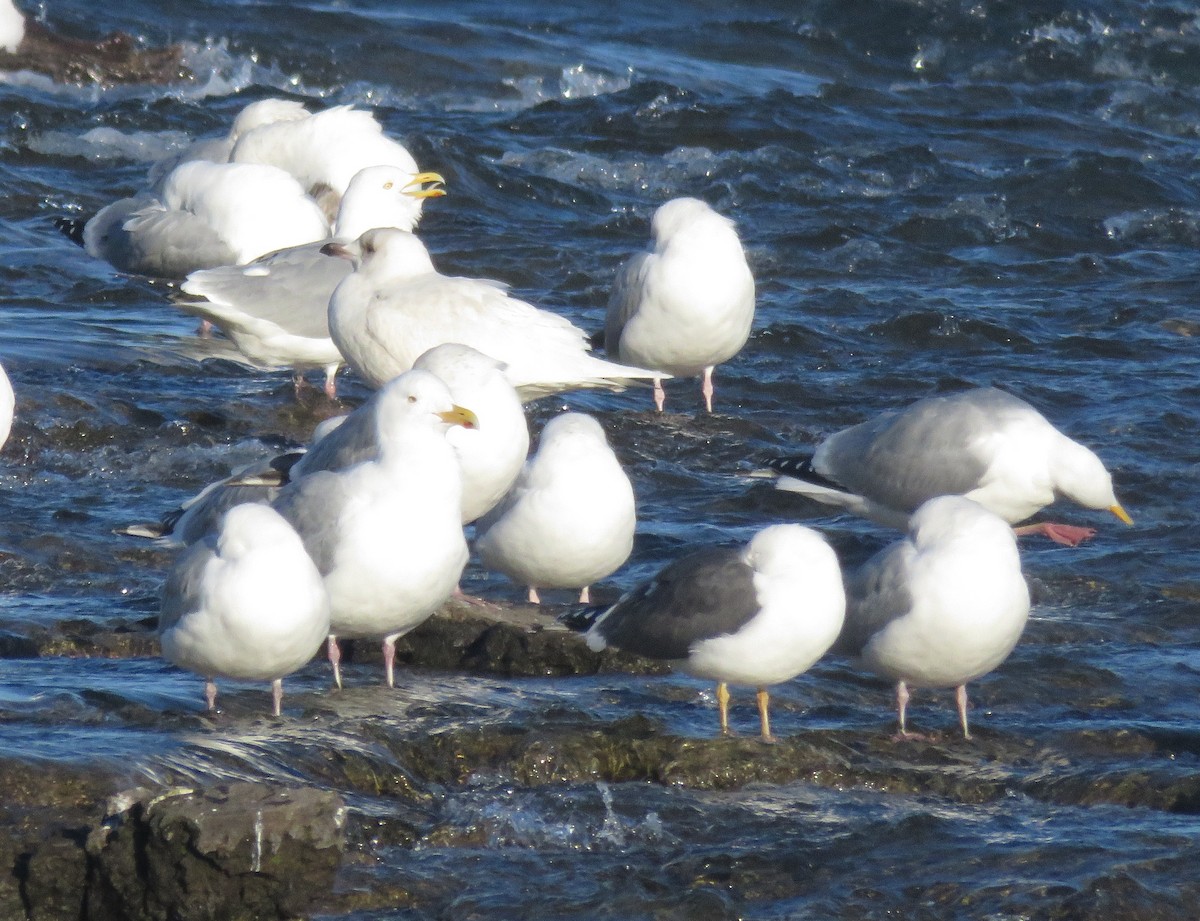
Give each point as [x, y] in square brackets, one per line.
[932, 196]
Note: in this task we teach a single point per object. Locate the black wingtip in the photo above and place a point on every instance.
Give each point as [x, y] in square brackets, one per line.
[596, 340]
[71, 228]
[800, 467]
[581, 618]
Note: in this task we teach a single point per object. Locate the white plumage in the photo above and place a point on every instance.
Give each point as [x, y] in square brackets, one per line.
[387, 533]
[396, 305]
[246, 602]
[942, 607]
[569, 520]
[687, 305]
[8, 404]
[275, 309]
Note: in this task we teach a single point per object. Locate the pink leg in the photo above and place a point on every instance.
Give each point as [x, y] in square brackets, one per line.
[389, 660]
[459, 595]
[960, 700]
[706, 388]
[1068, 534]
[902, 697]
[335, 658]
[534, 598]
[331, 382]
[660, 395]
[204, 330]
[277, 696]
[585, 596]
[210, 694]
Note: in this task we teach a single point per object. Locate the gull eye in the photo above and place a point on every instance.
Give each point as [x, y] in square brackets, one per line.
[412, 398]
[388, 185]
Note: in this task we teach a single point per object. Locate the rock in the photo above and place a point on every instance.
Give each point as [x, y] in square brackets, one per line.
[238, 851]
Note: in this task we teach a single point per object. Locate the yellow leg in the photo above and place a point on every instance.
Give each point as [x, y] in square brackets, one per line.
[723, 706]
[764, 718]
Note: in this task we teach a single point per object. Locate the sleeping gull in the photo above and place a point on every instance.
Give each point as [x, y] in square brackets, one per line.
[246, 602]
[7, 406]
[941, 607]
[756, 615]
[984, 444]
[686, 306]
[396, 305]
[324, 151]
[208, 214]
[276, 308]
[569, 519]
[387, 534]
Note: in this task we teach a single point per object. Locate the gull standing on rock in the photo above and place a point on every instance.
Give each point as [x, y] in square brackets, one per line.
[984, 444]
[396, 305]
[246, 602]
[687, 305]
[756, 615]
[276, 308]
[387, 533]
[570, 518]
[940, 608]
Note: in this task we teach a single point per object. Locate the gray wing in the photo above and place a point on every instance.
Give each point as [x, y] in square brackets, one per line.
[705, 594]
[623, 301]
[930, 449]
[289, 288]
[312, 505]
[876, 594]
[355, 440]
[182, 591]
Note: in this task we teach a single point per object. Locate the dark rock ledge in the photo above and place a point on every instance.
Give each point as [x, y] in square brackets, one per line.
[81, 845]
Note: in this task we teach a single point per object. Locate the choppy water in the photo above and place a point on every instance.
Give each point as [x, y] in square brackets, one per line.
[931, 195]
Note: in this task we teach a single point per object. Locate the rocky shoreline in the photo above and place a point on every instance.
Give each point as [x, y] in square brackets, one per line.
[80, 843]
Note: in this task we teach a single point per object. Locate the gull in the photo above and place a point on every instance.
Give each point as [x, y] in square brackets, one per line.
[942, 607]
[324, 151]
[200, 515]
[208, 214]
[246, 602]
[569, 519]
[687, 305]
[275, 309]
[755, 615]
[396, 305]
[983, 443]
[8, 404]
[217, 150]
[387, 534]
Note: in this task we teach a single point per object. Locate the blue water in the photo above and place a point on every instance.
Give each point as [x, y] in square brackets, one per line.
[932, 196]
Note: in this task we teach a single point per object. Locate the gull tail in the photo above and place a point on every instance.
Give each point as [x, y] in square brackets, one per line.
[582, 618]
[71, 228]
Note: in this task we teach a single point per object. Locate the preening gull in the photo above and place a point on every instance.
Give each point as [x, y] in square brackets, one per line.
[941, 607]
[8, 404]
[276, 308]
[569, 519]
[756, 615]
[208, 214]
[396, 305]
[246, 602]
[324, 151]
[983, 443]
[687, 305]
[387, 533]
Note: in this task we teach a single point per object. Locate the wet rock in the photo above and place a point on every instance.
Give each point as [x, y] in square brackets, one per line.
[114, 59]
[242, 851]
[1120, 896]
